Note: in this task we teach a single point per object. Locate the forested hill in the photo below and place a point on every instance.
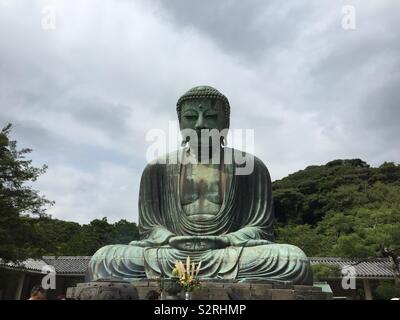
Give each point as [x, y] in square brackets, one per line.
[344, 208]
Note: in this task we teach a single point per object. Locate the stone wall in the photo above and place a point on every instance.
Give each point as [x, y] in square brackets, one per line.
[120, 290]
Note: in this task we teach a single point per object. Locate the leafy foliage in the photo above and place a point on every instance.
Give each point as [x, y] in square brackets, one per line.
[63, 238]
[345, 208]
[325, 271]
[386, 290]
[17, 199]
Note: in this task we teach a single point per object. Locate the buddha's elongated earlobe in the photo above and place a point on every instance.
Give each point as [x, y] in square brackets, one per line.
[184, 144]
[222, 141]
[185, 141]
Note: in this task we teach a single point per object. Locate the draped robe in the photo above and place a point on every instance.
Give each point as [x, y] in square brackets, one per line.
[245, 218]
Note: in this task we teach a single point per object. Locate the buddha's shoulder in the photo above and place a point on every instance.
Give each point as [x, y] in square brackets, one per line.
[169, 158]
[240, 155]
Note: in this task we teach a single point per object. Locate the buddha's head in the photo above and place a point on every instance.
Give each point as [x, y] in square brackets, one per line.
[203, 107]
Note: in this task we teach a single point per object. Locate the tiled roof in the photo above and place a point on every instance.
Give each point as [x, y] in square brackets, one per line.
[68, 264]
[364, 268]
[31, 265]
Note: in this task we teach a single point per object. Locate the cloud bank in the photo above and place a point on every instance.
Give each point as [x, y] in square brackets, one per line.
[83, 95]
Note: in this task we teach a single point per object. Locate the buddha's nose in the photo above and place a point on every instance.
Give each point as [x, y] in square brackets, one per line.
[200, 124]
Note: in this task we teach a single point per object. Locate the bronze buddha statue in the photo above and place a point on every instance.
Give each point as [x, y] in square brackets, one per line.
[204, 210]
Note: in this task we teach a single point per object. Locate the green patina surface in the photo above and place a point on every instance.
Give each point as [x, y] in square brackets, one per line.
[204, 211]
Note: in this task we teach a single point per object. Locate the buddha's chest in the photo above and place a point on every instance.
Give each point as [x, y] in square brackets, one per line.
[201, 189]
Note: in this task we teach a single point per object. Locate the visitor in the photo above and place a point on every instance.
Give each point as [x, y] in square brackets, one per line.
[38, 293]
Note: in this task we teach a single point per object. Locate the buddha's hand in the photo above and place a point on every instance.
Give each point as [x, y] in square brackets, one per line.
[198, 243]
[254, 243]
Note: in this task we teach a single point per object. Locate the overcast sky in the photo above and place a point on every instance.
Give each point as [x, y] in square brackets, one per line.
[84, 94]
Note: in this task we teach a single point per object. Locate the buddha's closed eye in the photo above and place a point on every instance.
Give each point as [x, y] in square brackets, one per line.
[190, 117]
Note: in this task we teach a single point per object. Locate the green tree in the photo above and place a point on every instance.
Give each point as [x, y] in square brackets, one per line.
[93, 236]
[55, 236]
[66, 238]
[302, 236]
[345, 208]
[18, 199]
[387, 290]
[125, 232]
[325, 271]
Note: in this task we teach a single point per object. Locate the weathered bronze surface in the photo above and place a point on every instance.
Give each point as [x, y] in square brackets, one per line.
[204, 211]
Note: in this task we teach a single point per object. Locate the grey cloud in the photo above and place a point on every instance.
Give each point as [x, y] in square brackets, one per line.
[381, 111]
[84, 95]
[250, 28]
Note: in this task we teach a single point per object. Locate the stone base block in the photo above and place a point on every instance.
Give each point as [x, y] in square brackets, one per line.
[110, 289]
[151, 290]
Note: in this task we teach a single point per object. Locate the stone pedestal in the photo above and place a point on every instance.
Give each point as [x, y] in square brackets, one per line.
[211, 290]
[259, 291]
[108, 289]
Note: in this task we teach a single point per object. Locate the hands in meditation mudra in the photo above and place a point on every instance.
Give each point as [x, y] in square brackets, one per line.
[204, 210]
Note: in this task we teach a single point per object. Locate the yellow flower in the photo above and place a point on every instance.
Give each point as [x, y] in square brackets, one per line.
[187, 276]
[175, 272]
[188, 265]
[198, 268]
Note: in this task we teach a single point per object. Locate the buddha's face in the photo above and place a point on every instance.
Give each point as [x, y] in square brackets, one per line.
[201, 114]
